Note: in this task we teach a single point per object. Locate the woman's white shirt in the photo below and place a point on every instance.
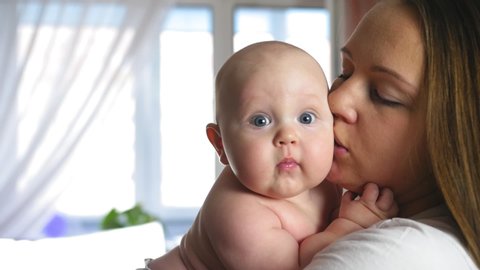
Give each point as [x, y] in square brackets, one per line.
[429, 240]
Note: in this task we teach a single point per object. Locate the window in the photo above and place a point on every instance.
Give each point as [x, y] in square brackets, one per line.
[187, 162]
[159, 154]
[305, 27]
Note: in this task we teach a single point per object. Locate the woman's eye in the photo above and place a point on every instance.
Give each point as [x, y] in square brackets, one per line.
[306, 118]
[260, 120]
[338, 81]
[376, 97]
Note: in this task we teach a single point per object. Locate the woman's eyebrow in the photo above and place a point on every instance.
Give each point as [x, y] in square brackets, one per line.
[383, 69]
[394, 74]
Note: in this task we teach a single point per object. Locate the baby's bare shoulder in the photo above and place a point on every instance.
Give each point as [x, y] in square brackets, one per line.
[234, 201]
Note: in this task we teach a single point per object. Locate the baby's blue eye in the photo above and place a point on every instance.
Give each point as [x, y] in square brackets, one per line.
[306, 118]
[260, 120]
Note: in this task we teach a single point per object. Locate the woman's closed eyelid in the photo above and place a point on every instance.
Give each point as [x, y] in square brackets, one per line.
[376, 96]
[373, 92]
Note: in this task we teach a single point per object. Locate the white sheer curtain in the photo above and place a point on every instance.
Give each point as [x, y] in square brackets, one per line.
[60, 63]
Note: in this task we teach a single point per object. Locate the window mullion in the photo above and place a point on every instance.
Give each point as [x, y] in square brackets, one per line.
[147, 115]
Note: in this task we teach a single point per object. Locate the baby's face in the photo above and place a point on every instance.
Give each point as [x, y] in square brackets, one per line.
[276, 126]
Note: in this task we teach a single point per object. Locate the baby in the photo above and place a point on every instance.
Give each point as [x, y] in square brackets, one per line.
[270, 208]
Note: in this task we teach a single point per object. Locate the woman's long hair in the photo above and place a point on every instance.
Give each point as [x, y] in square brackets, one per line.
[451, 32]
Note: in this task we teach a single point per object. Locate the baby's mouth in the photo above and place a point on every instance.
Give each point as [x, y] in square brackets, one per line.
[287, 163]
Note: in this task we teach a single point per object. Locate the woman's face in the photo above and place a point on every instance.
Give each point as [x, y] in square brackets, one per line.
[378, 113]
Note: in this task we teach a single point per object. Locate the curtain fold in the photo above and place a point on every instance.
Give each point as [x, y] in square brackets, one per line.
[61, 62]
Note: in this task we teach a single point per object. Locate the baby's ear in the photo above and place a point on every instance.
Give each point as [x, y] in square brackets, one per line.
[215, 138]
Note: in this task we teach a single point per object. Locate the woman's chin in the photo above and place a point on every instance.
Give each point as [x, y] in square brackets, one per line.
[335, 177]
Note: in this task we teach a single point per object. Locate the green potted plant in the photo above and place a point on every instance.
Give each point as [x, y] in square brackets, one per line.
[133, 216]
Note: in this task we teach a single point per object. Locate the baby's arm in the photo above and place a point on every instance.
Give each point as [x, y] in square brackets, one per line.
[371, 207]
[251, 237]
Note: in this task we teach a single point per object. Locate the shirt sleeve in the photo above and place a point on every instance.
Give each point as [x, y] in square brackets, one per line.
[395, 244]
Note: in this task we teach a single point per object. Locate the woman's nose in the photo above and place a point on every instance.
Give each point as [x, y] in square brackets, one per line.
[286, 135]
[342, 102]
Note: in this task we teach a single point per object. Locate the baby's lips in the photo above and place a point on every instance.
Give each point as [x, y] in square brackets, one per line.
[287, 163]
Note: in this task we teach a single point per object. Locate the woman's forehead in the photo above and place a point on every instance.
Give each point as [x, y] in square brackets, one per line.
[389, 38]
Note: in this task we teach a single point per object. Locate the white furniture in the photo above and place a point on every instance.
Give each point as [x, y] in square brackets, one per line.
[116, 249]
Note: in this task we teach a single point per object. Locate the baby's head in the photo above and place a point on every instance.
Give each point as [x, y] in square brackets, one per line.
[274, 127]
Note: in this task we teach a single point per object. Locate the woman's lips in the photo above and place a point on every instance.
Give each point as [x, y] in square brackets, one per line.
[339, 150]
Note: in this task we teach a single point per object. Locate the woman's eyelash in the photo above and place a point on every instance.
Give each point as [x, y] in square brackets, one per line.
[373, 92]
[375, 96]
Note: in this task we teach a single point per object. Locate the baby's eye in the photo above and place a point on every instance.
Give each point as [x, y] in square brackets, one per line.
[306, 118]
[260, 120]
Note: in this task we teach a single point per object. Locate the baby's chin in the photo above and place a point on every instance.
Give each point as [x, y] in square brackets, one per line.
[282, 193]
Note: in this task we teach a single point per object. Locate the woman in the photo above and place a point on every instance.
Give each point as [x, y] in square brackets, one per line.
[407, 117]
